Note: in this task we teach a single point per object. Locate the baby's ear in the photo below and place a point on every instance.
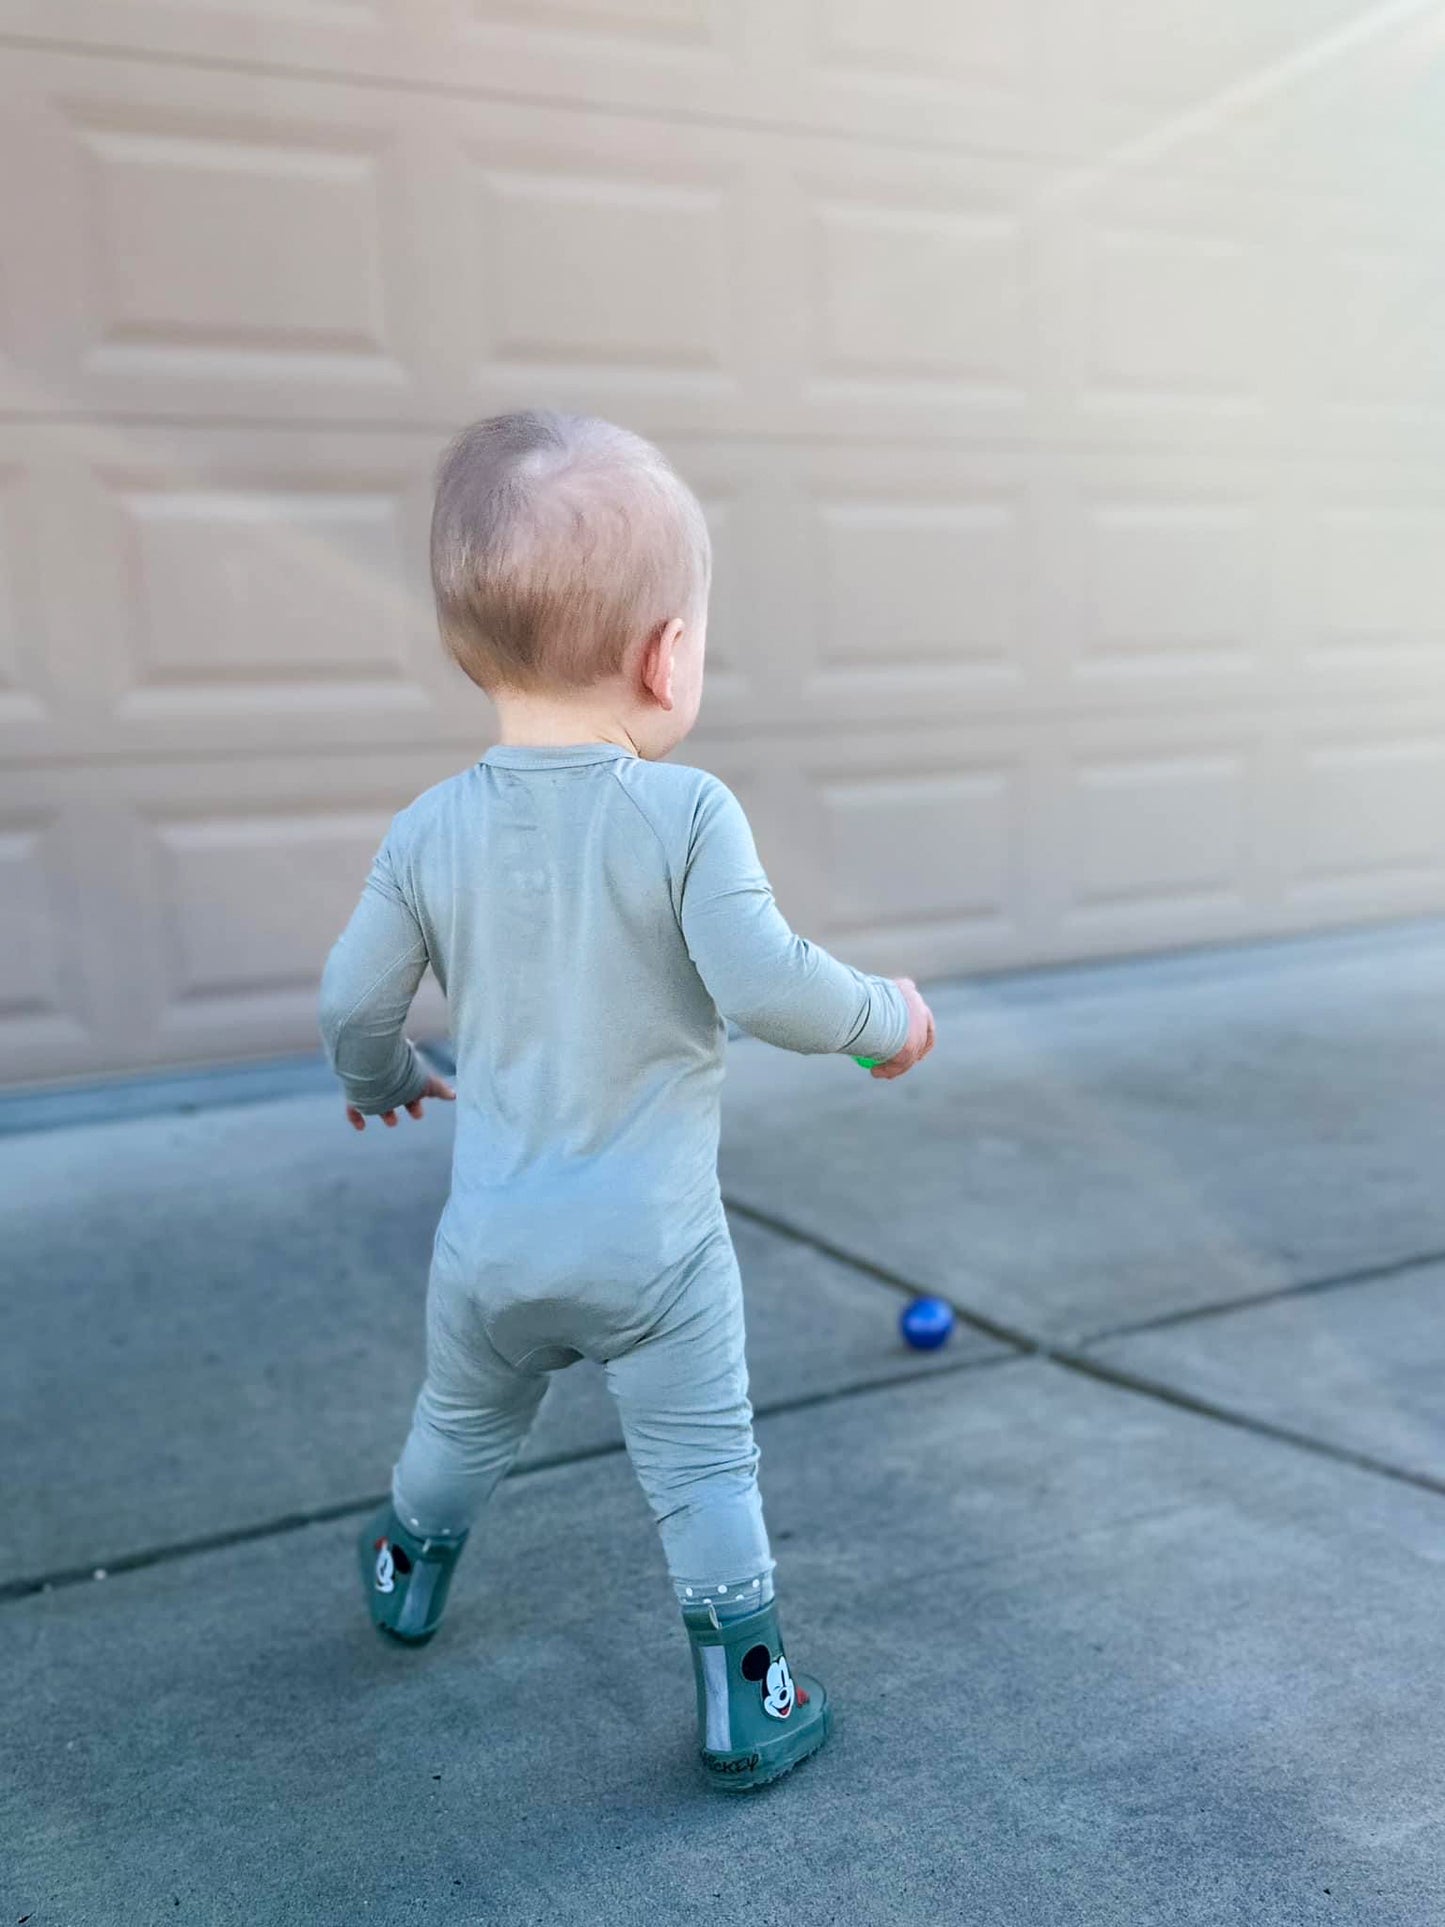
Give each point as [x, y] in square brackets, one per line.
[659, 661]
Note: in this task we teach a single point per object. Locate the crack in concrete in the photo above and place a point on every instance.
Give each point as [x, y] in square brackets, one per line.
[63, 1578]
[1017, 1343]
[1069, 1358]
[1302, 1288]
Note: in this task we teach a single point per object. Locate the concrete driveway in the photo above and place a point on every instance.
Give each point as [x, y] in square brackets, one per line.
[1132, 1599]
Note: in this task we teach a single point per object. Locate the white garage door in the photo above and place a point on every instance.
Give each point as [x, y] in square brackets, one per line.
[1065, 384]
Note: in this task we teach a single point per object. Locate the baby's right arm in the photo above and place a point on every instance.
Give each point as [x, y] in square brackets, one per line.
[367, 987]
[770, 982]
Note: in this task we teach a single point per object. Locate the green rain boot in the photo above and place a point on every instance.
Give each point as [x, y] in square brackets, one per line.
[755, 1720]
[406, 1577]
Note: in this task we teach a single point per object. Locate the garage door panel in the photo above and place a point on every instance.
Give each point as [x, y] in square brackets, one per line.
[916, 72]
[897, 583]
[1323, 92]
[1159, 840]
[629, 52]
[956, 584]
[917, 295]
[901, 847]
[1162, 304]
[1366, 582]
[12, 229]
[1065, 417]
[1173, 580]
[1215, 580]
[268, 599]
[62, 938]
[1264, 89]
[353, 253]
[240, 982]
[1182, 50]
[691, 35]
[959, 827]
[43, 1005]
[339, 35]
[912, 586]
[957, 273]
[1364, 304]
[1164, 582]
[251, 899]
[196, 903]
[274, 197]
[921, 72]
[921, 599]
[350, 253]
[1368, 816]
[661, 243]
[743, 498]
[271, 589]
[188, 248]
[911, 38]
[253, 591]
[29, 722]
[894, 572]
[357, 254]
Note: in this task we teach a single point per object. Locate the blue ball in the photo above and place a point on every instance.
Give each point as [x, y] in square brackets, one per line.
[926, 1323]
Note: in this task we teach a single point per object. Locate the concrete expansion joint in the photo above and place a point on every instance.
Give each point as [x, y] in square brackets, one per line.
[1077, 1359]
[1018, 1346]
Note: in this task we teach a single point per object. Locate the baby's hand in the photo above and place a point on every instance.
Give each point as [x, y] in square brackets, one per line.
[920, 1033]
[435, 1087]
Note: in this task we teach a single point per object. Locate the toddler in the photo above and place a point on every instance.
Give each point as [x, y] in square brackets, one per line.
[593, 915]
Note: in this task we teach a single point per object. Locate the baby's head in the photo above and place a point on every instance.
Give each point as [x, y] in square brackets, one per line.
[567, 556]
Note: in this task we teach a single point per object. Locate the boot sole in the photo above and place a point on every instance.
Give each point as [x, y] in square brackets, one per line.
[769, 1776]
[405, 1639]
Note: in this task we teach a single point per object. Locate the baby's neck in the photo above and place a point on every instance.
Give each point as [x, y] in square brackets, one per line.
[534, 721]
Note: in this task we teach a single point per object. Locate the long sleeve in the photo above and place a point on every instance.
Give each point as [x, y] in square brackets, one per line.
[770, 982]
[367, 988]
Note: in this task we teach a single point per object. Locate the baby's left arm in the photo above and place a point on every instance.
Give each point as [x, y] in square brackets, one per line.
[367, 989]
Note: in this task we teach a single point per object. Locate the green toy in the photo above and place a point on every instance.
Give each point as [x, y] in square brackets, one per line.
[867, 1062]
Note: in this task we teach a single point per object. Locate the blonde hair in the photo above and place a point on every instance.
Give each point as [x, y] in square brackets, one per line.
[557, 540]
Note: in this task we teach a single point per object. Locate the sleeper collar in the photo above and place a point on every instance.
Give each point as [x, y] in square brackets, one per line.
[553, 755]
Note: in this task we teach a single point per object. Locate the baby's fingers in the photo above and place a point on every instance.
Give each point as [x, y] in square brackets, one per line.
[414, 1108]
[388, 1118]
